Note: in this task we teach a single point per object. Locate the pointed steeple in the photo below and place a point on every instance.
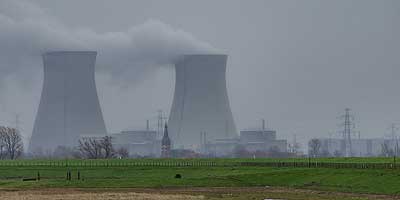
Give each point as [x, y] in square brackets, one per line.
[165, 144]
[165, 139]
[166, 130]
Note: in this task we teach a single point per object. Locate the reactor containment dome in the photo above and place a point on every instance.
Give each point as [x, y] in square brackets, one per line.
[69, 107]
[200, 109]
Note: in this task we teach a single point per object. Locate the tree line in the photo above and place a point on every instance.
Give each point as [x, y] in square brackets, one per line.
[87, 148]
[12, 147]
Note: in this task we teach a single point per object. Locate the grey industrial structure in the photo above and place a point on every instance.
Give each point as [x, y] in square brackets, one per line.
[144, 143]
[138, 142]
[69, 107]
[261, 140]
[200, 103]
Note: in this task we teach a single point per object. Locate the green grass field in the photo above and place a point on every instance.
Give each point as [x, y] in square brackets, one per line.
[116, 175]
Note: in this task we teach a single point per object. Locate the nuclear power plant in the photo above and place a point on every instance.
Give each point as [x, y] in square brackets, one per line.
[69, 107]
[200, 118]
[200, 108]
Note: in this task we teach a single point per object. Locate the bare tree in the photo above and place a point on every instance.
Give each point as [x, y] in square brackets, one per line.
[11, 143]
[95, 148]
[106, 145]
[123, 152]
[90, 148]
[3, 152]
[314, 146]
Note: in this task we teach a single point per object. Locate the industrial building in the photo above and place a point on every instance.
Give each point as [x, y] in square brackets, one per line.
[69, 107]
[261, 140]
[142, 143]
[221, 147]
[200, 103]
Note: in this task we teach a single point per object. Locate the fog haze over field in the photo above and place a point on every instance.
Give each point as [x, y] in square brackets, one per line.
[297, 64]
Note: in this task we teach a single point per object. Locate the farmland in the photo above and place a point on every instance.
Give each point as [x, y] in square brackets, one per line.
[162, 174]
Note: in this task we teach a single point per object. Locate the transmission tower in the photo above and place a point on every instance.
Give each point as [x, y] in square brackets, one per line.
[348, 127]
[160, 123]
[393, 134]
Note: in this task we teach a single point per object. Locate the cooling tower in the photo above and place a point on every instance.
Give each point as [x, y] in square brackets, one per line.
[201, 103]
[69, 106]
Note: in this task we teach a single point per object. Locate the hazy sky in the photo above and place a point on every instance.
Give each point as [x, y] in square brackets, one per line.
[297, 64]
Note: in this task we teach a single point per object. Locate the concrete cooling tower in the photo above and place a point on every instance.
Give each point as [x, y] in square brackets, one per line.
[201, 103]
[69, 106]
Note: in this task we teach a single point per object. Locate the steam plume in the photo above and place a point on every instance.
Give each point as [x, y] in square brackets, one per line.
[27, 31]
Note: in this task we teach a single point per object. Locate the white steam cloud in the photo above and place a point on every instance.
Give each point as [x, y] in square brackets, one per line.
[124, 58]
[26, 31]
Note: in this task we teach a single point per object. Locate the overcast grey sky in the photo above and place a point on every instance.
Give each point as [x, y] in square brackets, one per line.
[297, 64]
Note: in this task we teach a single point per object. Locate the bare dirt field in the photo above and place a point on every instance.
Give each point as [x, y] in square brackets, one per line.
[181, 194]
[74, 194]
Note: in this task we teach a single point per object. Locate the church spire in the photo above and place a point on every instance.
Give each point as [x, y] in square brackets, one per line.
[165, 144]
